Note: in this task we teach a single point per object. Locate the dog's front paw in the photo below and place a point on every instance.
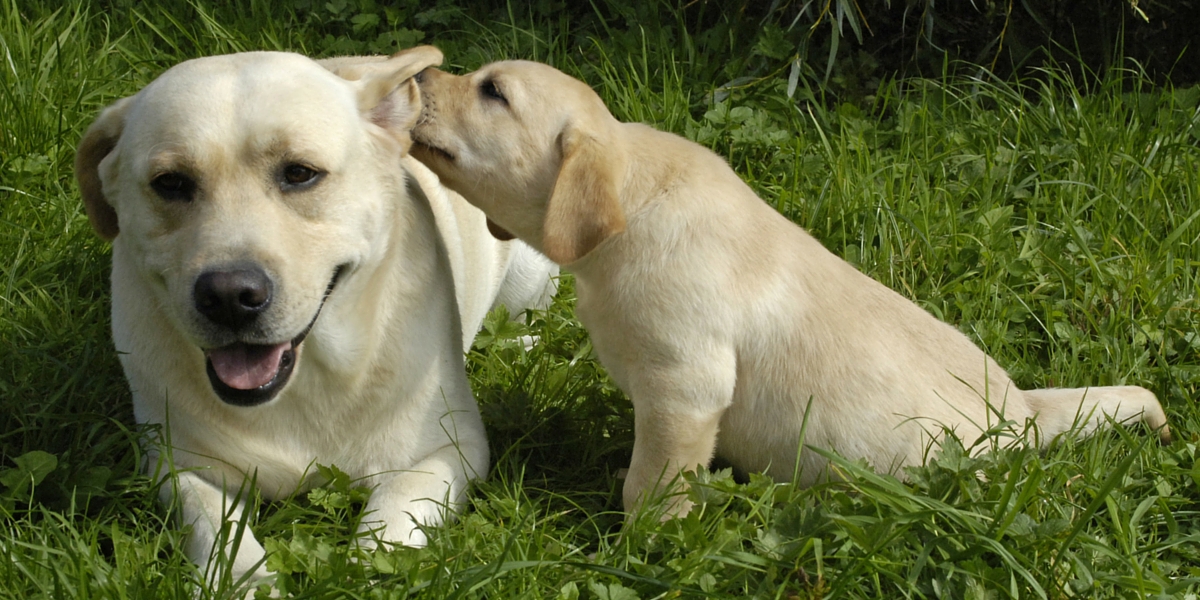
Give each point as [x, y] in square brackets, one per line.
[404, 532]
[245, 570]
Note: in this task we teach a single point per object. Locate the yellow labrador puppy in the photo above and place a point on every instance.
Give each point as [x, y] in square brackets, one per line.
[290, 288]
[720, 318]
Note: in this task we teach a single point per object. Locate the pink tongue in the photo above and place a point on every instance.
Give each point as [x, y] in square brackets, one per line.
[246, 367]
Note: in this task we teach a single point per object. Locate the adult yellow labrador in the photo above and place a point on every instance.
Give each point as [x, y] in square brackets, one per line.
[290, 288]
[720, 318]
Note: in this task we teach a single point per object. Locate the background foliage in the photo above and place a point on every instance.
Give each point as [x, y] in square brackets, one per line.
[1041, 196]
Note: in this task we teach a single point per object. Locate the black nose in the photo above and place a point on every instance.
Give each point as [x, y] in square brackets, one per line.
[232, 298]
[420, 76]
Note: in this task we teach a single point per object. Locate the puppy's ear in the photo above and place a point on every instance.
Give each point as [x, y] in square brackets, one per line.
[584, 207]
[387, 94]
[96, 144]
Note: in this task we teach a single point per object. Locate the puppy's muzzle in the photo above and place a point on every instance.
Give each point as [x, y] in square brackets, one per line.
[234, 298]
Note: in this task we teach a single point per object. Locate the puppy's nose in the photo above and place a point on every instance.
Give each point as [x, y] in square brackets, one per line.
[420, 77]
[232, 298]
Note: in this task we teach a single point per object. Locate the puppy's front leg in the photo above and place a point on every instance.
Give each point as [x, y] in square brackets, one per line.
[422, 495]
[207, 508]
[665, 444]
[677, 412]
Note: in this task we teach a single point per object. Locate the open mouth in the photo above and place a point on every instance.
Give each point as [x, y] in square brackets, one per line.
[244, 374]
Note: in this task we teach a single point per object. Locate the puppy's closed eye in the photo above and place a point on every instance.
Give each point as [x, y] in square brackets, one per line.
[490, 91]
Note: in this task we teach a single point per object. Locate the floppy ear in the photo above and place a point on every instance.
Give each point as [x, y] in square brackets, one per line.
[356, 68]
[584, 207]
[96, 144]
[387, 94]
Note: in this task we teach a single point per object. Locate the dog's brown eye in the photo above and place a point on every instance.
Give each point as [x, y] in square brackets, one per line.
[299, 176]
[489, 90]
[174, 187]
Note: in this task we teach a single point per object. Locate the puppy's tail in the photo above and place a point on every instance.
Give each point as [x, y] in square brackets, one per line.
[1088, 409]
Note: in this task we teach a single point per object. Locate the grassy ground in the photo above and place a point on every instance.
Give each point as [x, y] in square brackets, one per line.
[1054, 225]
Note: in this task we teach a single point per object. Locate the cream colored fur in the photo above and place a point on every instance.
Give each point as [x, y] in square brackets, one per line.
[721, 319]
[378, 387]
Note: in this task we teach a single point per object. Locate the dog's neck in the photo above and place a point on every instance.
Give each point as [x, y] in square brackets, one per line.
[652, 174]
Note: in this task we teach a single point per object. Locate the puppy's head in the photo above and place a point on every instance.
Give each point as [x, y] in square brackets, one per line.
[530, 146]
[242, 189]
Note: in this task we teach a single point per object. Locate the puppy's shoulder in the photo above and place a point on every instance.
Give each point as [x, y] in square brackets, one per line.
[658, 140]
[671, 154]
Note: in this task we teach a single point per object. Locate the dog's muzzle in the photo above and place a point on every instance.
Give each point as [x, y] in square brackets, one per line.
[245, 374]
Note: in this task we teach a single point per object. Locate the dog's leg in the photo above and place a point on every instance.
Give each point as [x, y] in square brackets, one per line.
[666, 444]
[677, 412]
[530, 281]
[207, 508]
[1058, 409]
[425, 495]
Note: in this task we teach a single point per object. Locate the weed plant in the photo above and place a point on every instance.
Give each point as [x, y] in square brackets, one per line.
[1055, 225]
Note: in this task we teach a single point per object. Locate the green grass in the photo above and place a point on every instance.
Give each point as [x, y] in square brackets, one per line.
[1056, 226]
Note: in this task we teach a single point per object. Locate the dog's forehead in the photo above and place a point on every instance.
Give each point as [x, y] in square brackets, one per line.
[539, 78]
[249, 94]
[545, 89]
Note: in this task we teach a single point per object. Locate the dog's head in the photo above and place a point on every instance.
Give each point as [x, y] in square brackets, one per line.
[530, 146]
[242, 189]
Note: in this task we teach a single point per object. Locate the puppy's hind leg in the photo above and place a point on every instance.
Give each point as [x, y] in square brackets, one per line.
[1058, 409]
